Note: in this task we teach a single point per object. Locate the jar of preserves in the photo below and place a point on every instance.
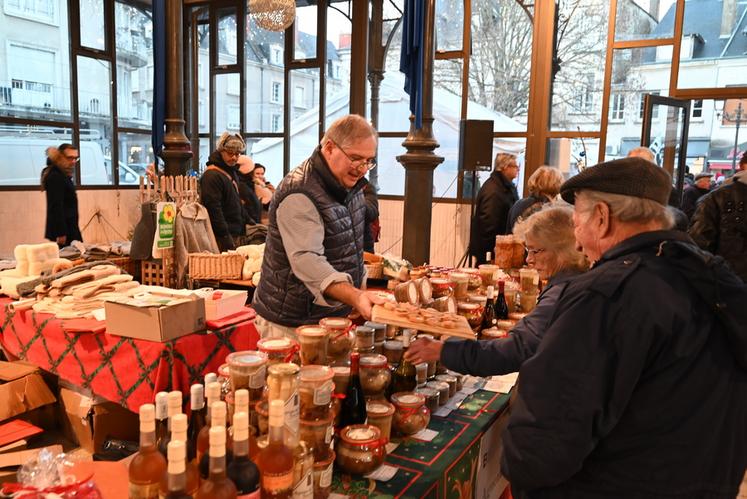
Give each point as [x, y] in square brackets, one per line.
[451, 380]
[441, 287]
[431, 398]
[313, 341]
[340, 342]
[282, 384]
[318, 437]
[443, 391]
[379, 330]
[247, 369]
[279, 350]
[410, 413]
[364, 338]
[375, 375]
[323, 476]
[393, 350]
[472, 312]
[460, 282]
[315, 387]
[380, 414]
[360, 449]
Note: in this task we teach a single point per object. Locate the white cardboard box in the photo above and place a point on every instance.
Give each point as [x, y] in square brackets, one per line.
[232, 302]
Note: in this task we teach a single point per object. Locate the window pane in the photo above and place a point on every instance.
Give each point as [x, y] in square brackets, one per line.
[92, 24]
[337, 72]
[305, 29]
[135, 154]
[34, 64]
[94, 112]
[134, 39]
[713, 46]
[269, 153]
[203, 78]
[644, 19]
[390, 172]
[227, 36]
[581, 51]
[24, 152]
[449, 24]
[572, 155]
[394, 103]
[204, 153]
[712, 137]
[264, 79]
[304, 108]
[635, 72]
[500, 63]
[227, 103]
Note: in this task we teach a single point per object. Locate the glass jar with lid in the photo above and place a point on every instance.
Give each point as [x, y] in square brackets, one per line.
[279, 350]
[380, 414]
[340, 342]
[472, 312]
[313, 340]
[323, 476]
[374, 375]
[315, 387]
[393, 350]
[247, 369]
[410, 413]
[364, 338]
[282, 384]
[360, 449]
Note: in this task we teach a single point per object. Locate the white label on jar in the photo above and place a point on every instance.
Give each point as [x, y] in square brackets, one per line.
[325, 480]
[292, 414]
[323, 393]
[328, 436]
[304, 489]
[257, 378]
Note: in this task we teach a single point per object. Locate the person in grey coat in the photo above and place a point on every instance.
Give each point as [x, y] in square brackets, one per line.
[551, 250]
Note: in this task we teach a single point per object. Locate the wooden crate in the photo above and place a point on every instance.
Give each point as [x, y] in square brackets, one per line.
[127, 265]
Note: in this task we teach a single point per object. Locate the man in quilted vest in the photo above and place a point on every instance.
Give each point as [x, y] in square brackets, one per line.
[313, 261]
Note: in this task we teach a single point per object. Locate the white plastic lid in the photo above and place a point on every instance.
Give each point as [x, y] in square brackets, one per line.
[147, 412]
[248, 358]
[218, 414]
[177, 453]
[311, 331]
[196, 396]
[375, 360]
[162, 405]
[210, 378]
[240, 426]
[377, 408]
[315, 373]
[276, 344]
[241, 400]
[174, 401]
[276, 413]
[335, 322]
[178, 423]
[341, 370]
[213, 392]
[361, 434]
[217, 441]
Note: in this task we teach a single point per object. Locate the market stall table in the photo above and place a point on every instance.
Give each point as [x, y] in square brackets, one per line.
[123, 370]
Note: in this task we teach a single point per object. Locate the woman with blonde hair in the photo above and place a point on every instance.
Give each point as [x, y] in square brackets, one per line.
[543, 186]
[551, 250]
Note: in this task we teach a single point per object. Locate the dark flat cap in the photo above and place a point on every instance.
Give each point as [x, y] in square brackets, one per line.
[703, 175]
[627, 176]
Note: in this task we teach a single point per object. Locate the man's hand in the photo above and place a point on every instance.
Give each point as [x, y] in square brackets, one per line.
[365, 302]
[361, 301]
[61, 240]
[424, 350]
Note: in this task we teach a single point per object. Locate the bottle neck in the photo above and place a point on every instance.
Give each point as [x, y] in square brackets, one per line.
[217, 467]
[276, 435]
[241, 448]
[354, 361]
[147, 439]
[177, 482]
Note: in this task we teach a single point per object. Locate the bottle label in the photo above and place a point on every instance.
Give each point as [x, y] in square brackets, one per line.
[292, 414]
[330, 433]
[257, 378]
[323, 394]
[325, 480]
[304, 489]
[275, 483]
[143, 491]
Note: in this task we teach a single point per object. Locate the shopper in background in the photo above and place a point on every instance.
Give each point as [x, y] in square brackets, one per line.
[551, 250]
[495, 199]
[693, 193]
[543, 186]
[642, 152]
[249, 200]
[262, 187]
[219, 192]
[313, 260]
[62, 200]
[639, 387]
[719, 224]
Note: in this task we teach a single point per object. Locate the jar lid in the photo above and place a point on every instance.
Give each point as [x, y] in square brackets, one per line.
[361, 434]
[324, 464]
[246, 358]
[377, 360]
[364, 331]
[379, 409]
[504, 324]
[488, 266]
[335, 322]
[283, 369]
[376, 326]
[438, 385]
[393, 345]
[341, 370]
[467, 306]
[439, 281]
[494, 332]
[448, 378]
[314, 331]
[223, 371]
[408, 399]
[275, 344]
[316, 373]
[428, 392]
[459, 275]
[516, 316]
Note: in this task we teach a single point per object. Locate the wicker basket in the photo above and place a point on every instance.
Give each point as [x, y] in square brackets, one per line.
[210, 266]
[375, 270]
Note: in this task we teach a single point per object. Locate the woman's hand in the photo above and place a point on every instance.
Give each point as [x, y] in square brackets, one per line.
[424, 350]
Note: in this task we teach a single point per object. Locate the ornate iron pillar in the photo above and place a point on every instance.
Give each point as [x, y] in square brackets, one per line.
[419, 161]
[176, 147]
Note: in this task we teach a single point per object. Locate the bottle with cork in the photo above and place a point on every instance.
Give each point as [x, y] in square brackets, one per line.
[176, 476]
[179, 433]
[217, 485]
[276, 460]
[173, 407]
[148, 465]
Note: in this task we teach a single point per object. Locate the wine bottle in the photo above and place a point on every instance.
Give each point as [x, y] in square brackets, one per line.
[489, 315]
[162, 417]
[148, 465]
[217, 418]
[354, 404]
[176, 473]
[173, 407]
[501, 307]
[217, 485]
[276, 460]
[241, 469]
[203, 440]
[405, 376]
[192, 476]
[196, 418]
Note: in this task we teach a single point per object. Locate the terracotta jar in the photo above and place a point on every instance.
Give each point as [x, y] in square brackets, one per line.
[410, 413]
[360, 449]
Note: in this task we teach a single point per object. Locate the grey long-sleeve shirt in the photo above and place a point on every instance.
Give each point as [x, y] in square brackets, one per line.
[302, 231]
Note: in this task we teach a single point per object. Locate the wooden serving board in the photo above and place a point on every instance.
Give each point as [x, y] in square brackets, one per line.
[461, 327]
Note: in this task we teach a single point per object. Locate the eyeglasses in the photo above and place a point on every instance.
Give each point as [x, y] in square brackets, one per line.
[533, 251]
[367, 164]
[74, 159]
[232, 153]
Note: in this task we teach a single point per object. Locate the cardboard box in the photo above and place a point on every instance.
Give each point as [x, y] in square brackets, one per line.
[490, 482]
[231, 302]
[154, 323]
[22, 389]
[89, 422]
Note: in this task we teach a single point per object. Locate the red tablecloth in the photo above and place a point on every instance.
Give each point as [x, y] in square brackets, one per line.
[123, 370]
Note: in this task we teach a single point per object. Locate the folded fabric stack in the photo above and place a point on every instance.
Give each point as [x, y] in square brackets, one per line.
[79, 294]
[32, 260]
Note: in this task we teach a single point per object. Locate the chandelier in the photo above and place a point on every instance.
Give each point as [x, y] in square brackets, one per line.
[273, 15]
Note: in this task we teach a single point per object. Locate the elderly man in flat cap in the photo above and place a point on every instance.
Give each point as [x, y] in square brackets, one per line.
[639, 387]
